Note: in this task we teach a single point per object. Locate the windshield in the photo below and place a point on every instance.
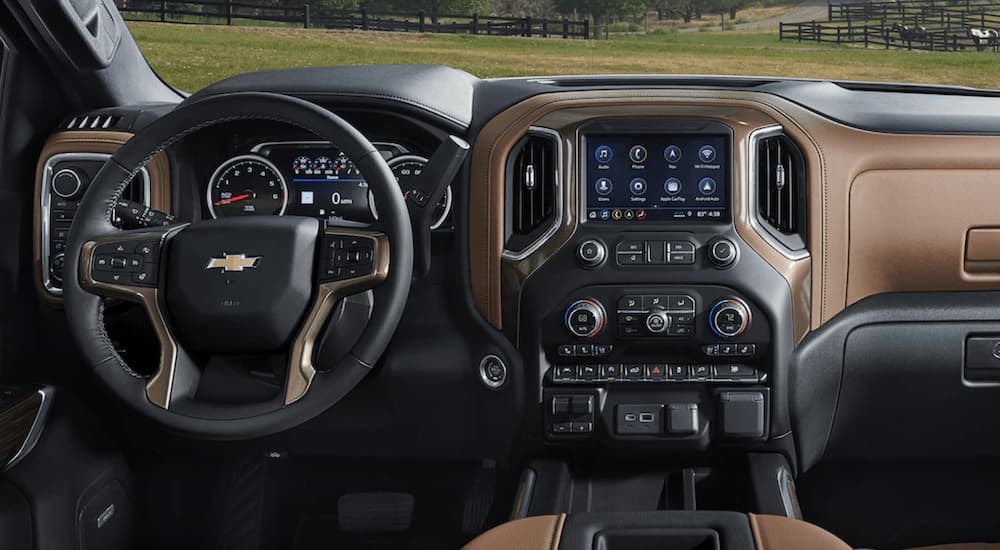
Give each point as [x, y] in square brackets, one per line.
[191, 44]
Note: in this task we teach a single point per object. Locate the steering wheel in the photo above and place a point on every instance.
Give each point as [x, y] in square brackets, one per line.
[252, 284]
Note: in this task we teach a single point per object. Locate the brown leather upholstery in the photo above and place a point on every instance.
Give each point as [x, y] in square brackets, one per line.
[781, 533]
[534, 533]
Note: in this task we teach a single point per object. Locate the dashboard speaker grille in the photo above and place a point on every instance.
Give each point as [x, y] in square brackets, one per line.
[532, 190]
[781, 188]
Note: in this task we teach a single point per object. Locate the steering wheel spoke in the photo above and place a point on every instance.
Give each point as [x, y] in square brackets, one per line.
[126, 265]
[351, 261]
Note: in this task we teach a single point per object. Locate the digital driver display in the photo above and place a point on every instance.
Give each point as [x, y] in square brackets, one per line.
[322, 183]
[656, 178]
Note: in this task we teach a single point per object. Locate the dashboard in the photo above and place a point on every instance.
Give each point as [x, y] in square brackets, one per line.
[628, 247]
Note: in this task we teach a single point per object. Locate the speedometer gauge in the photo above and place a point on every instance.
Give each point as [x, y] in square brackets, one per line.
[408, 169]
[247, 185]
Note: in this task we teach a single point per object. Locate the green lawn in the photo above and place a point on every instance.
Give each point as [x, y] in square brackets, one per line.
[191, 56]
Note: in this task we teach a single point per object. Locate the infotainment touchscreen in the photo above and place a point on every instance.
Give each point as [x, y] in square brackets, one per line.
[656, 177]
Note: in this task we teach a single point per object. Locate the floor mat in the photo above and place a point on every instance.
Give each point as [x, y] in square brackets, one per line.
[301, 498]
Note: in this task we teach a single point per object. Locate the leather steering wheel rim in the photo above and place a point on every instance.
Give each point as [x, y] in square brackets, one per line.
[85, 309]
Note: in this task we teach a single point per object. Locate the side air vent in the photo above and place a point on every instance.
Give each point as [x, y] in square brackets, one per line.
[93, 122]
[534, 200]
[779, 188]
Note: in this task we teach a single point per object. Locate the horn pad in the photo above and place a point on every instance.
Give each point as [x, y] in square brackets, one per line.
[240, 285]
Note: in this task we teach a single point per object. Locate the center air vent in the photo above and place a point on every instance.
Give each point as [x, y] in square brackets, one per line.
[93, 122]
[780, 188]
[533, 201]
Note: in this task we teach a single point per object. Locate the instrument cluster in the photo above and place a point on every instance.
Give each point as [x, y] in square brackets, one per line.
[310, 178]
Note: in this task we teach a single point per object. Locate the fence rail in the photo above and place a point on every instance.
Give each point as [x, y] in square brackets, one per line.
[224, 12]
[930, 25]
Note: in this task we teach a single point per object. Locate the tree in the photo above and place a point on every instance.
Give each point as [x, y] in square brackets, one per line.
[599, 10]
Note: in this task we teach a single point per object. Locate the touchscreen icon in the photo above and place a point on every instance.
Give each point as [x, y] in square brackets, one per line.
[706, 186]
[706, 153]
[603, 186]
[637, 186]
[637, 154]
[603, 154]
[672, 153]
[672, 186]
[605, 215]
[307, 197]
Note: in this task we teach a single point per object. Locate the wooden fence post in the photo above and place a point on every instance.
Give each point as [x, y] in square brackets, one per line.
[565, 30]
[163, 10]
[586, 29]
[420, 25]
[475, 23]
[545, 27]
[527, 26]
[364, 19]
[305, 15]
[229, 12]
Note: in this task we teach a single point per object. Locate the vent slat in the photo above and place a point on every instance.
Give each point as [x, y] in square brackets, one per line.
[532, 185]
[780, 176]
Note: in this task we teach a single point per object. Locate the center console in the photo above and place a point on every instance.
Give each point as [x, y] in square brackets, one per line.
[657, 326]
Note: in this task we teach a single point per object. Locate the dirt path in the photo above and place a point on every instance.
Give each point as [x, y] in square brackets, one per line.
[809, 10]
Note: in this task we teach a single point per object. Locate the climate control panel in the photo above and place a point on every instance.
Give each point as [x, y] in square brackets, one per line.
[623, 334]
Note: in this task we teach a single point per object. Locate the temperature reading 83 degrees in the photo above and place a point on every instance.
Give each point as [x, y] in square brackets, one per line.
[247, 185]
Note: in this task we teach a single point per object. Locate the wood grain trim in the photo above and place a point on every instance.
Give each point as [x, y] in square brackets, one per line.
[15, 425]
[91, 142]
[496, 282]
[534, 533]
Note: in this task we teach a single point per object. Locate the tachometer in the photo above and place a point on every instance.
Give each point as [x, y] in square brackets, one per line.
[247, 185]
[407, 169]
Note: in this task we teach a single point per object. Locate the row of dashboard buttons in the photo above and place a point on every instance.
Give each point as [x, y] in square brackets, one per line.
[729, 350]
[654, 373]
[672, 303]
[126, 262]
[584, 350]
[655, 253]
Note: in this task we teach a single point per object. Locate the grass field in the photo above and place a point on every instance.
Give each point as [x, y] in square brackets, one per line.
[190, 56]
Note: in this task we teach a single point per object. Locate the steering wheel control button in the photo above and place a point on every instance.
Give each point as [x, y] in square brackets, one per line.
[67, 183]
[591, 253]
[346, 257]
[637, 154]
[729, 318]
[722, 253]
[493, 372]
[585, 318]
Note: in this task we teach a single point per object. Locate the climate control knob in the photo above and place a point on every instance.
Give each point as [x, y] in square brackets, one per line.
[585, 318]
[729, 318]
[657, 321]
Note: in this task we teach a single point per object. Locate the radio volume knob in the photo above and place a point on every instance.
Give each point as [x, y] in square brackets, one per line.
[67, 183]
[729, 318]
[585, 318]
[591, 253]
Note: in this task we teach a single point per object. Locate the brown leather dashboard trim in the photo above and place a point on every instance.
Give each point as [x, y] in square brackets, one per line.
[496, 282]
[91, 142]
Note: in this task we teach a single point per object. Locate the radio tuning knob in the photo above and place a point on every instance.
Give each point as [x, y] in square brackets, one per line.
[722, 252]
[585, 318]
[729, 318]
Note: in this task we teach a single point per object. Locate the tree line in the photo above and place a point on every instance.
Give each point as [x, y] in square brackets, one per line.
[599, 11]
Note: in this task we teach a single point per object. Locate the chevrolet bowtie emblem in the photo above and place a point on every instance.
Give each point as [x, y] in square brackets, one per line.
[233, 262]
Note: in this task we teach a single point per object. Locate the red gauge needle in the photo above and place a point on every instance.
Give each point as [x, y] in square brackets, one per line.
[232, 199]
